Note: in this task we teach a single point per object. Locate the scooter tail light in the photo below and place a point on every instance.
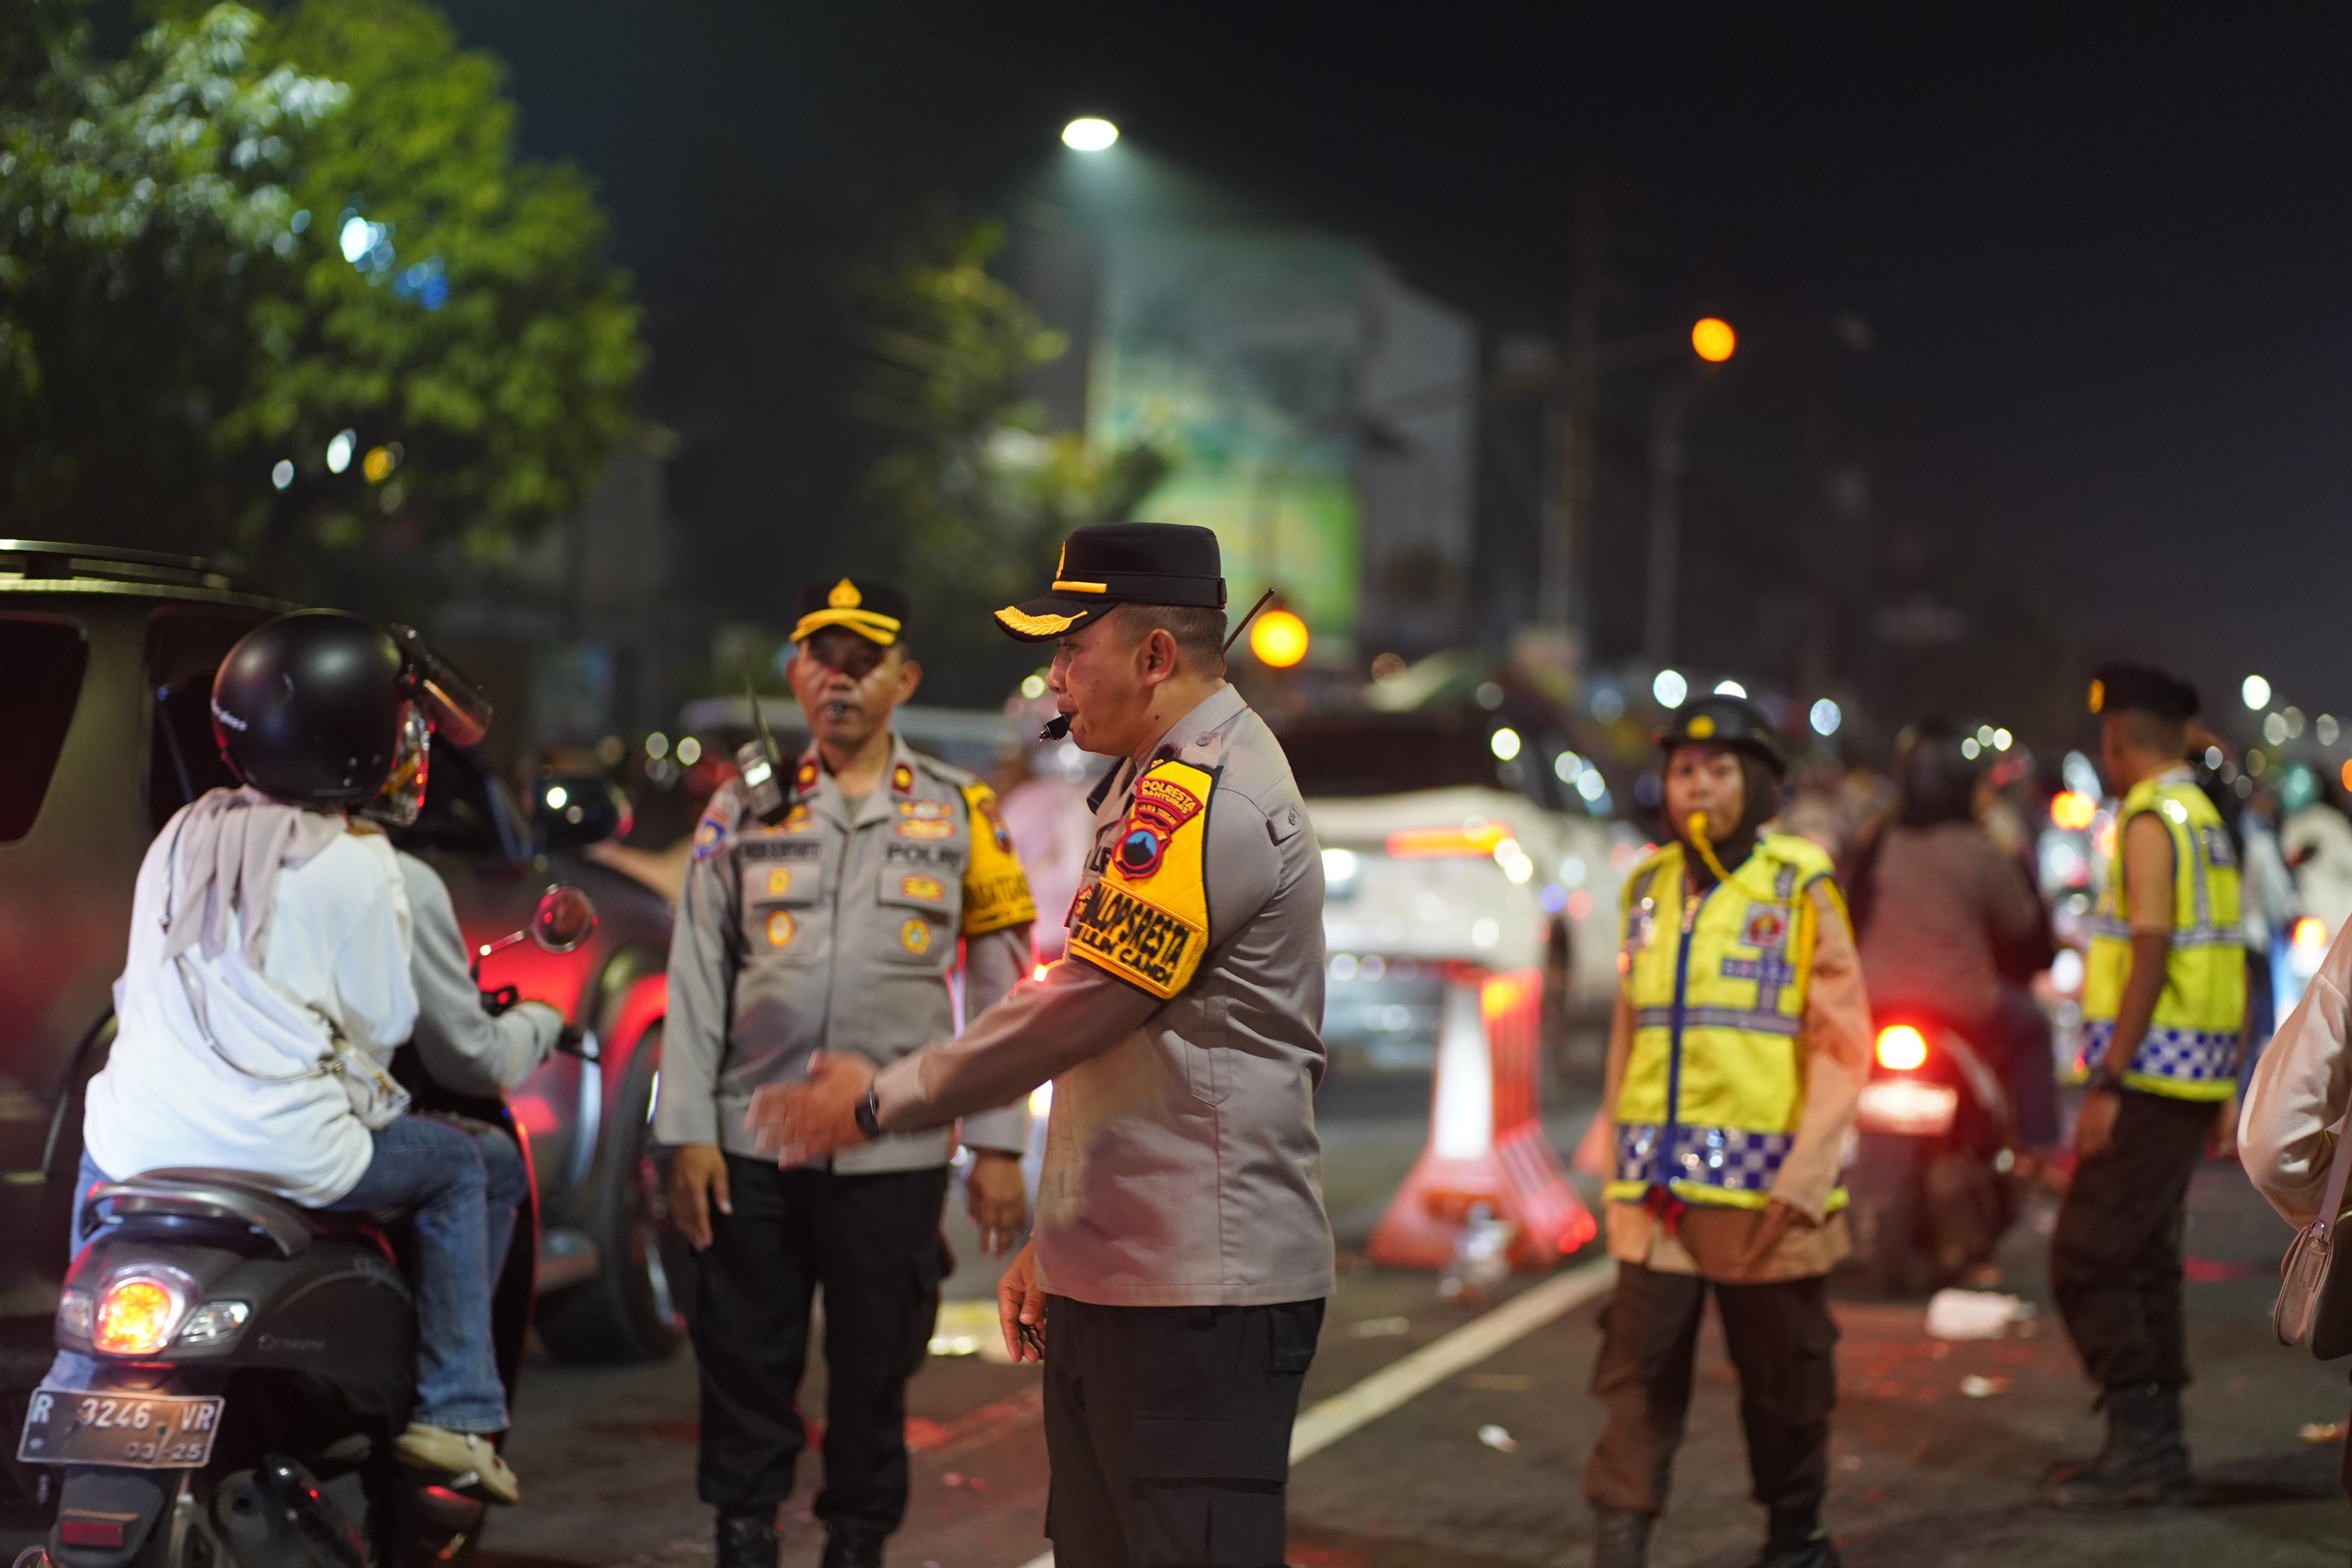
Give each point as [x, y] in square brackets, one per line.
[1901, 1048]
[136, 1316]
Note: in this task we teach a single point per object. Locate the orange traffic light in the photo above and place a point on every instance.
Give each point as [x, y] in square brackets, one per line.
[1713, 339]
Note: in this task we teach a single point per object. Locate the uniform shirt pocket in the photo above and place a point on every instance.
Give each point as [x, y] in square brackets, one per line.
[919, 907]
[1208, 1056]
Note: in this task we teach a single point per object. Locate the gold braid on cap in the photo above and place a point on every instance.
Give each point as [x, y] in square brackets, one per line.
[1013, 618]
[870, 623]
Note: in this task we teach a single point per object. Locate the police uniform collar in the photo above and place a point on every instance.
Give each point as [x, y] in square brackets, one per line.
[824, 797]
[1199, 725]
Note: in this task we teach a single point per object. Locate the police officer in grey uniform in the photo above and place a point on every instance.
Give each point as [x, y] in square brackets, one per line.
[824, 907]
[1181, 1254]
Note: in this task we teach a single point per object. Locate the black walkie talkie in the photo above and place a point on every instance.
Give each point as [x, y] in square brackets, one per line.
[765, 789]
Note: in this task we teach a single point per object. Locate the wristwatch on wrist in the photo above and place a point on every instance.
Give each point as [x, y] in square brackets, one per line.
[869, 1114]
[2101, 1080]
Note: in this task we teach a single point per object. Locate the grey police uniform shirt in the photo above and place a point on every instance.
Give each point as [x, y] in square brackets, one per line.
[836, 931]
[462, 1046]
[1183, 1166]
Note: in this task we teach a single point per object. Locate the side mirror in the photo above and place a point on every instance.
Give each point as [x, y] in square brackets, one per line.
[565, 918]
[571, 811]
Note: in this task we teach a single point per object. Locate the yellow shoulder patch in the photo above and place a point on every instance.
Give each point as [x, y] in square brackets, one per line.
[996, 889]
[1145, 919]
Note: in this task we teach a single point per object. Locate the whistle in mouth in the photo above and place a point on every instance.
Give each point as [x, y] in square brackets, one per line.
[1056, 727]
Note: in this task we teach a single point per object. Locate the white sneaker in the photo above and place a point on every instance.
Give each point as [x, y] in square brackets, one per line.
[464, 1461]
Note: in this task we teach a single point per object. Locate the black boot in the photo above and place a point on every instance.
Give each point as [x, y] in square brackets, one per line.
[747, 1539]
[2145, 1460]
[847, 1546]
[1797, 1539]
[1620, 1538]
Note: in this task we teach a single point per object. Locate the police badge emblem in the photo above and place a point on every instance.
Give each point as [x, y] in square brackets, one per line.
[1161, 806]
[1766, 927]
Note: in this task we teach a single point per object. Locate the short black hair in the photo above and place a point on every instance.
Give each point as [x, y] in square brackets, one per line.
[2152, 733]
[1199, 632]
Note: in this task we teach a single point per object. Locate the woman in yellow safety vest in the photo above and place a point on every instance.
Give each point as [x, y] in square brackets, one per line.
[1740, 1046]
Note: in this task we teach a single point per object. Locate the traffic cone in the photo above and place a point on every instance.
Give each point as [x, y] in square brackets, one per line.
[1486, 1142]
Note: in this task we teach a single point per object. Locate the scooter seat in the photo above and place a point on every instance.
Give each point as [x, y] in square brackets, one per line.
[223, 1197]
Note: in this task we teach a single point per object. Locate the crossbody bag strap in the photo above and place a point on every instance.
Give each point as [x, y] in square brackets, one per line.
[2332, 1203]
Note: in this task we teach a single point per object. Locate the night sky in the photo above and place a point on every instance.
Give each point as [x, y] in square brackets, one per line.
[2104, 255]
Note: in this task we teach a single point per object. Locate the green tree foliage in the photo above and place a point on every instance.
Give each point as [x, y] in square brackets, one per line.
[254, 233]
[972, 492]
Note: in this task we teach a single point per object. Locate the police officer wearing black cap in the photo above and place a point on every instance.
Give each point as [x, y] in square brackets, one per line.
[1182, 1259]
[2164, 1008]
[1736, 1054]
[828, 903]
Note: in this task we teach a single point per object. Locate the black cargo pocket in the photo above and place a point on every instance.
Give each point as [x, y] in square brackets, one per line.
[1207, 1492]
[1211, 1448]
[933, 1264]
[1294, 1327]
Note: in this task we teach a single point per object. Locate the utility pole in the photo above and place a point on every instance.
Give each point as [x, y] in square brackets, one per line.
[1666, 454]
[1563, 598]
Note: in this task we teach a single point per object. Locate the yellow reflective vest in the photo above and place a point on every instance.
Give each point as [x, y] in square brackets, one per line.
[1714, 1081]
[2191, 1049]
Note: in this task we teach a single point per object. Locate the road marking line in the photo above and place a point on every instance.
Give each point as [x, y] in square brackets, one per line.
[1408, 1377]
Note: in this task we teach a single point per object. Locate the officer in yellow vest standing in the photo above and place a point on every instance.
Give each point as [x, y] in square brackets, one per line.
[2164, 1005]
[1740, 1046]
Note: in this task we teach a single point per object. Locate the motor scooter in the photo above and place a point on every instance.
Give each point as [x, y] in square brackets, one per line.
[257, 1361]
[1929, 1179]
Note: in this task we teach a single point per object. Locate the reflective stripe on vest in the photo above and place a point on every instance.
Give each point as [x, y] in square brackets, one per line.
[2190, 1052]
[1714, 1087]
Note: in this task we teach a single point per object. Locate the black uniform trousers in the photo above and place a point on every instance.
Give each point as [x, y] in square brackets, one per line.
[873, 1242]
[1168, 1429]
[1781, 1339]
[2115, 1258]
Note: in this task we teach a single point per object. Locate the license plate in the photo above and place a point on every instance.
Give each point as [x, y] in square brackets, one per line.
[1906, 1107]
[142, 1431]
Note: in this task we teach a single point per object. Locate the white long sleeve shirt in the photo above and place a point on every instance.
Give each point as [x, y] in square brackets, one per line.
[338, 942]
[2299, 1090]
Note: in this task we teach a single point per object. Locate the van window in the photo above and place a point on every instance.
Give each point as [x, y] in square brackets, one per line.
[45, 660]
[184, 648]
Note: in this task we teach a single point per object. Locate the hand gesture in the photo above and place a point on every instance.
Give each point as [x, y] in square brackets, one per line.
[1020, 1307]
[804, 1122]
[998, 1199]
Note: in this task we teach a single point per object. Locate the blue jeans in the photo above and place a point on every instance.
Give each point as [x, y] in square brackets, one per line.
[463, 1186]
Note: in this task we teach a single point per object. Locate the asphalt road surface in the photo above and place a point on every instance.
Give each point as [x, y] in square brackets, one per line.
[1937, 1445]
[1936, 1448]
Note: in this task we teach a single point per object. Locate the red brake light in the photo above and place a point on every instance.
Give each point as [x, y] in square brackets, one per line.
[1901, 1048]
[135, 1317]
[2072, 808]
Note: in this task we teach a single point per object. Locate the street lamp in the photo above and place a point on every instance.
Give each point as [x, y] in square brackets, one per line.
[1088, 134]
[2256, 691]
[1713, 339]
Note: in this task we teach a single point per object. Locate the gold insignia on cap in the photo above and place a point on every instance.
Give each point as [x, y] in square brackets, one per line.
[2098, 695]
[1013, 618]
[1701, 728]
[845, 595]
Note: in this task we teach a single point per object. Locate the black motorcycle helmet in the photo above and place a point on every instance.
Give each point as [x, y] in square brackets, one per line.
[313, 708]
